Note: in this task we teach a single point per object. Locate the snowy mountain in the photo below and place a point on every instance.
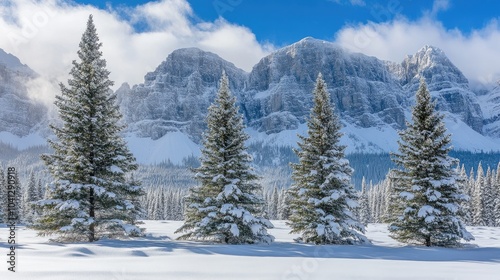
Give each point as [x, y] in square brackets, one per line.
[490, 104]
[175, 97]
[20, 116]
[278, 96]
[166, 114]
[448, 85]
[373, 97]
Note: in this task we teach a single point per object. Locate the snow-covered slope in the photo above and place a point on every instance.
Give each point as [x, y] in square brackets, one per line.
[160, 256]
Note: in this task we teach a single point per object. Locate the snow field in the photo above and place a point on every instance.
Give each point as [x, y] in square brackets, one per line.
[160, 256]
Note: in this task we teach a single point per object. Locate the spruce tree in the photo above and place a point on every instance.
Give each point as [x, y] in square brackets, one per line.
[364, 205]
[489, 198]
[428, 191]
[467, 203]
[284, 205]
[223, 207]
[18, 198]
[322, 197]
[91, 195]
[30, 197]
[478, 213]
[497, 197]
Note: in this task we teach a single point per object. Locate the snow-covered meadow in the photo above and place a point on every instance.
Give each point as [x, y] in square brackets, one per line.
[160, 256]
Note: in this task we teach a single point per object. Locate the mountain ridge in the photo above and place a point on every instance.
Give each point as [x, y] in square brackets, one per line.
[373, 98]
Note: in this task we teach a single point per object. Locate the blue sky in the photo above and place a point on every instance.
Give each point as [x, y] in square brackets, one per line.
[138, 35]
[285, 22]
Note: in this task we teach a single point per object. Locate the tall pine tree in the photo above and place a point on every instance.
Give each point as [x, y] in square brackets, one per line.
[364, 213]
[91, 195]
[322, 197]
[497, 197]
[222, 208]
[427, 189]
[30, 197]
[478, 209]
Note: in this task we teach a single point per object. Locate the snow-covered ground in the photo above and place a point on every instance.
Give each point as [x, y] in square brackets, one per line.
[159, 256]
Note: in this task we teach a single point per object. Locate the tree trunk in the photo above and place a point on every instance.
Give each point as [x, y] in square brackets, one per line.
[92, 215]
[428, 241]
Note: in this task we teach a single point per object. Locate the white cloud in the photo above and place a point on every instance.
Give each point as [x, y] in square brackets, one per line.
[475, 54]
[439, 6]
[45, 35]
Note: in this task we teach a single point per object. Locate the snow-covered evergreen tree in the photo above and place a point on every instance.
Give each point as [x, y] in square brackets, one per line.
[223, 207]
[40, 190]
[364, 206]
[18, 197]
[428, 191]
[322, 197]
[91, 195]
[284, 205]
[466, 204]
[489, 198]
[30, 197]
[478, 209]
[497, 197]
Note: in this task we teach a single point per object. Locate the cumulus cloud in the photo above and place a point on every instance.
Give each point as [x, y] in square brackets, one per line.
[45, 35]
[475, 53]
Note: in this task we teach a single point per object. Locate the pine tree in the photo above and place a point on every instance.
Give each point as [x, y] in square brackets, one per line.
[466, 203]
[284, 203]
[489, 199]
[40, 189]
[497, 197]
[428, 190]
[364, 207]
[18, 198]
[222, 208]
[30, 196]
[322, 197]
[91, 195]
[478, 212]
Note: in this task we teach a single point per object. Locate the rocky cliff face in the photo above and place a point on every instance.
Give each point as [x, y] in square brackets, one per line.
[176, 96]
[276, 95]
[19, 114]
[362, 89]
[446, 82]
[491, 110]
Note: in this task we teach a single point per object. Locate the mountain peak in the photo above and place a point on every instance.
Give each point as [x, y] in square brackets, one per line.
[431, 51]
[13, 63]
[310, 41]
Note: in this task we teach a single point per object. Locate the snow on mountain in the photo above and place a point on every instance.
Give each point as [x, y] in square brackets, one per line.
[166, 114]
[21, 118]
[13, 63]
[361, 87]
[173, 147]
[373, 97]
[445, 81]
[490, 104]
[175, 97]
